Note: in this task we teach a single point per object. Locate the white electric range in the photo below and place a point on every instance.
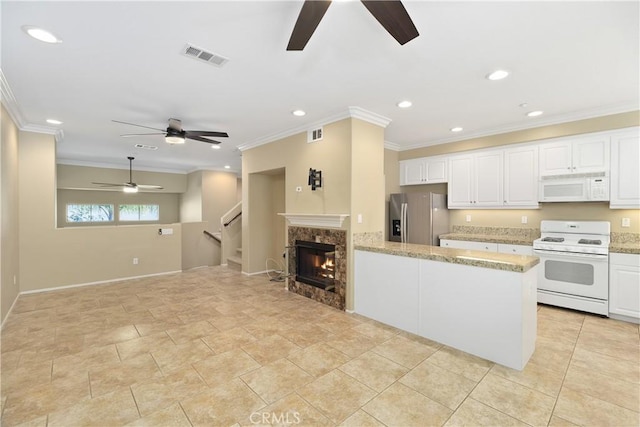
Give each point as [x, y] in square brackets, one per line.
[574, 260]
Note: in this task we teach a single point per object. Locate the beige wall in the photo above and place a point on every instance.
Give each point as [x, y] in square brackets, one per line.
[292, 156]
[81, 177]
[9, 248]
[197, 249]
[592, 211]
[52, 257]
[191, 199]
[598, 124]
[168, 203]
[219, 194]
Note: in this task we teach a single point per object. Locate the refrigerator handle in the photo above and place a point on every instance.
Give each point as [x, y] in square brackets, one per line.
[403, 214]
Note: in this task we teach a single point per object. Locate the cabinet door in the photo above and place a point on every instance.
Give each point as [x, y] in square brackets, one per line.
[591, 154]
[474, 246]
[555, 158]
[625, 173]
[460, 183]
[515, 249]
[436, 170]
[521, 177]
[412, 172]
[624, 286]
[488, 179]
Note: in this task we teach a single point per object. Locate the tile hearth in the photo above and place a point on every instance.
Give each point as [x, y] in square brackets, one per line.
[213, 347]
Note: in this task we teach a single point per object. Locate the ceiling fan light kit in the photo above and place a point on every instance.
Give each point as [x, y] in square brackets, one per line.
[130, 186]
[130, 189]
[174, 134]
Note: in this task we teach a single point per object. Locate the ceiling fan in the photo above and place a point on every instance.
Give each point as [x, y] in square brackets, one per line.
[174, 134]
[390, 13]
[130, 187]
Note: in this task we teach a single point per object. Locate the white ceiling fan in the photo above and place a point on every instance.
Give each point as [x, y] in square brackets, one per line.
[130, 187]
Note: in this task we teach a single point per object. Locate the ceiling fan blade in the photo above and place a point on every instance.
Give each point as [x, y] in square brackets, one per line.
[207, 133]
[127, 135]
[175, 124]
[107, 184]
[150, 187]
[133, 124]
[201, 139]
[310, 16]
[394, 18]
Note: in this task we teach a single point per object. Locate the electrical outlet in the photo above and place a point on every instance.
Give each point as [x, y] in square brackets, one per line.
[626, 222]
[468, 218]
[135, 261]
[524, 219]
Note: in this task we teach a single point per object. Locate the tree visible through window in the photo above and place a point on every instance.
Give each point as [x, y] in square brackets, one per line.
[89, 213]
[139, 212]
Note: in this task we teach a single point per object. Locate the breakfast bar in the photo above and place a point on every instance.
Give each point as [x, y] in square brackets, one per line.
[479, 302]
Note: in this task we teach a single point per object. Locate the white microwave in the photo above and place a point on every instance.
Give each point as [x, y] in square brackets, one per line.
[574, 189]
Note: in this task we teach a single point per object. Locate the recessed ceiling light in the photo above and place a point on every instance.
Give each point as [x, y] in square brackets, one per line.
[298, 113]
[41, 34]
[404, 104]
[534, 113]
[497, 75]
[54, 122]
[215, 147]
[227, 167]
[456, 129]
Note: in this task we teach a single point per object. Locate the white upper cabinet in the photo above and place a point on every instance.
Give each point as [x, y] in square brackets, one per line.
[585, 154]
[475, 180]
[625, 170]
[425, 170]
[521, 177]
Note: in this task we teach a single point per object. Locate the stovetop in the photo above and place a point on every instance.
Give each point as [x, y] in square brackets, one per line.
[587, 237]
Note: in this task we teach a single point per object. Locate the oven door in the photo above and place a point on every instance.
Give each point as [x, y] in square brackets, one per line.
[584, 275]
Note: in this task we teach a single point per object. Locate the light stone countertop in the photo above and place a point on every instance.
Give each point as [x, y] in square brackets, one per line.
[497, 261]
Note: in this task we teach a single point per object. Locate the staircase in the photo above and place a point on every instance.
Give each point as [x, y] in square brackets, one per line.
[235, 261]
[231, 233]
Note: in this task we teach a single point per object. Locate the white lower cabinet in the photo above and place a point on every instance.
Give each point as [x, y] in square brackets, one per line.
[465, 244]
[488, 246]
[624, 285]
[515, 249]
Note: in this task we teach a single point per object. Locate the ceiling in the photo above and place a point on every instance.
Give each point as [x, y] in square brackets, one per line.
[123, 61]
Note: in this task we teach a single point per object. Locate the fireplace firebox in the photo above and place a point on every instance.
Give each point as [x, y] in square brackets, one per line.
[316, 264]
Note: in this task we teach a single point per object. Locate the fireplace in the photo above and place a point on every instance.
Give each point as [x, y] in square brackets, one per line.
[316, 263]
[323, 243]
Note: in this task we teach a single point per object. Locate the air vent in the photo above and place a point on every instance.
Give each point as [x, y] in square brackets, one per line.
[146, 147]
[204, 56]
[314, 135]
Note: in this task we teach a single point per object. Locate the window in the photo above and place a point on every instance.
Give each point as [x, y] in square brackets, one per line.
[89, 213]
[139, 212]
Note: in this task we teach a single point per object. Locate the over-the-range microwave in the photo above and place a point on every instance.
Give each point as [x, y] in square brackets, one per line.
[568, 188]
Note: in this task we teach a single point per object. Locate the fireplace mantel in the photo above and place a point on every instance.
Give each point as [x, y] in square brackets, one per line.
[315, 220]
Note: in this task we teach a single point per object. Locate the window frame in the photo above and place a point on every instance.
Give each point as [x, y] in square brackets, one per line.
[139, 206]
[108, 221]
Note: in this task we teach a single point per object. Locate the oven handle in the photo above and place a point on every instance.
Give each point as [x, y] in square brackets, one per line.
[571, 254]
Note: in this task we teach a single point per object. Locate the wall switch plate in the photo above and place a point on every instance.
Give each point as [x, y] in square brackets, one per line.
[135, 261]
[165, 231]
[359, 218]
[626, 222]
[524, 219]
[468, 218]
[298, 189]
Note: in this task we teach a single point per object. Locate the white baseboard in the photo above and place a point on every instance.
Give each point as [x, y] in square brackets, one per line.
[349, 311]
[100, 282]
[13, 304]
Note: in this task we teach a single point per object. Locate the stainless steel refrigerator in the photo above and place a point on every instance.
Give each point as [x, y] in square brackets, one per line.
[418, 218]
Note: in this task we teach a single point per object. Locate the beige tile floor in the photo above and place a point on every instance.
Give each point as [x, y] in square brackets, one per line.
[212, 347]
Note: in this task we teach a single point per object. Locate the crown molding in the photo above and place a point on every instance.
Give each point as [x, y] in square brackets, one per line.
[13, 108]
[392, 146]
[351, 112]
[549, 121]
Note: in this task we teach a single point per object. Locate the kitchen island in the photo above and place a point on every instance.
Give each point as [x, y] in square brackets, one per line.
[478, 302]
